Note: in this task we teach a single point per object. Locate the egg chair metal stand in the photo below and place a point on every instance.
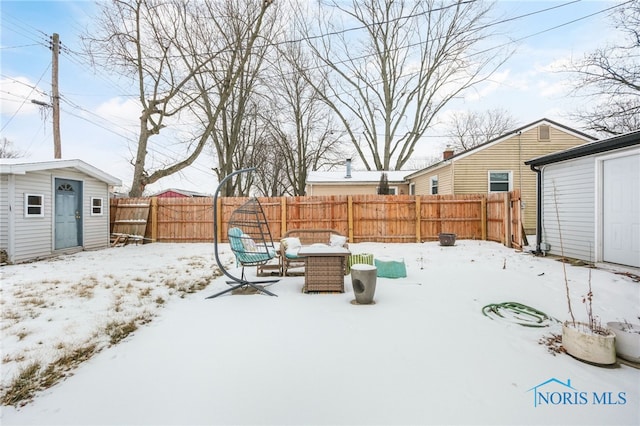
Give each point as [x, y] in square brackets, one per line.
[249, 239]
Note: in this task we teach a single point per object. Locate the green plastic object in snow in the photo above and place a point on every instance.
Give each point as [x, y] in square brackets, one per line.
[389, 267]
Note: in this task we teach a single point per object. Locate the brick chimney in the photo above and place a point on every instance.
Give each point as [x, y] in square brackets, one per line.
[348, 164]
[447, 153]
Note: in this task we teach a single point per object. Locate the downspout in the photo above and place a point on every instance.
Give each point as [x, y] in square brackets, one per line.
[538, 208]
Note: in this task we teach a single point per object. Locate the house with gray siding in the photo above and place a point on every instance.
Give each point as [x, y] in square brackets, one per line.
[589, 201]
[52, 207]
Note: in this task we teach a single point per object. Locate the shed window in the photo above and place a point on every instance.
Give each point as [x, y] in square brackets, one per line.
[96, 206]
[434, 185]
[33, 205]
[499, 181]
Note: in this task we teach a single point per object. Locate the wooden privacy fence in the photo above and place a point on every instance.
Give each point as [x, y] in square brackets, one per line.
[363, 218]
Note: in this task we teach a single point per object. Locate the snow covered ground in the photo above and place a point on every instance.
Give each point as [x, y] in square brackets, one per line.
[422, 354]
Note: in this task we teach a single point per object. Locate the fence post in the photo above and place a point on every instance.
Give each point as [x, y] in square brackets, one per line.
[350, 216]
[283, 216]
[218, 219]
[483, 216]
[154, 219]
[507, 219]
[418, 220]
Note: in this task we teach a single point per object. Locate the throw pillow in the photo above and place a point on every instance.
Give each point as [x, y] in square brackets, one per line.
[291, 243]
[337, 240]
[249, 244]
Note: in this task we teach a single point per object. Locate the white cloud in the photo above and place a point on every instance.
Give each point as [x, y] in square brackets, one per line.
[497, 81]
[123, 111]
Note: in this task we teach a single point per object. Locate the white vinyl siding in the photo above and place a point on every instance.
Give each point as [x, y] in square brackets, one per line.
[4, 212]
[32, 235]
[95, 228]
[574, 183]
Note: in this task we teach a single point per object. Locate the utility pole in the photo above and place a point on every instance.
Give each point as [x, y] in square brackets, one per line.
[55, 96]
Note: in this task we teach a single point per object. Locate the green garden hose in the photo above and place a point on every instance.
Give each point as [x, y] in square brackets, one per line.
[518, 313]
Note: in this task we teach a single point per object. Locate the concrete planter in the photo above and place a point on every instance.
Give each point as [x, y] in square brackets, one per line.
[363, 279]
[581, 343]
[627, 340]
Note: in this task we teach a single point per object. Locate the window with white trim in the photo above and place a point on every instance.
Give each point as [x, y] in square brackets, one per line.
[500, 181]
[433, 185]
[33, 205]
[412, 188]
[97, 206]
[393, 190]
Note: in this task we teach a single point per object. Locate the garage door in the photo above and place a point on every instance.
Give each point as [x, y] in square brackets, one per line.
[621, 211]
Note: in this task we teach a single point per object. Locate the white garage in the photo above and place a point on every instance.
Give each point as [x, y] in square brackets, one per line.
[590, 195]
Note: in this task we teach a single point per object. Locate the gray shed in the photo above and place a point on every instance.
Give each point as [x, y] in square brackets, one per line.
[593, 193]
[52, 207]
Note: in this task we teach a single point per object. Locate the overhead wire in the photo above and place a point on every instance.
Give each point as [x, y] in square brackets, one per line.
[78, 58]
[24, 101]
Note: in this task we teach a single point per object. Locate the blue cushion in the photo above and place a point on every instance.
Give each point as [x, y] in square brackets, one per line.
[244, 257]
[235, 240]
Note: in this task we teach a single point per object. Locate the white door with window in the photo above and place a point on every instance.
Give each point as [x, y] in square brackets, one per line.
[621, 211]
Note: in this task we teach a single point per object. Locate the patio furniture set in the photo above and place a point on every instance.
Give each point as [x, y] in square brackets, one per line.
[323, 253]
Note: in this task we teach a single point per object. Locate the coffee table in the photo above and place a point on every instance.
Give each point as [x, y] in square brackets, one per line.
[324, 268]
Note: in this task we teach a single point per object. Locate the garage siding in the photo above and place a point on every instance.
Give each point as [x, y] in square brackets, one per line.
[573, 183]
[4, 211]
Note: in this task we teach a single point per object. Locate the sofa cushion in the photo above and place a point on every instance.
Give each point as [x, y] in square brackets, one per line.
[337, 240]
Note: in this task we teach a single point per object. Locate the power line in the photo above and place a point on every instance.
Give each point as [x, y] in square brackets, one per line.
[75, 56]
[24, 101]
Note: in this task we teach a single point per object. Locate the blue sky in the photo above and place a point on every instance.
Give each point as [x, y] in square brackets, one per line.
[98, 123]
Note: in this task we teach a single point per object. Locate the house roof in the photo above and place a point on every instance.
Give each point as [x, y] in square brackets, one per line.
[18, 166]
[184, 192]
[504, 137]
[597, 147]
[364, 177]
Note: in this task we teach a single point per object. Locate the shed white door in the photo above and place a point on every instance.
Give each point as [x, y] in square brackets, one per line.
[621, 211]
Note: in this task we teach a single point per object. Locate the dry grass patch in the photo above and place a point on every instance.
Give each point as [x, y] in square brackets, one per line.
[119, 330]
[34, 377]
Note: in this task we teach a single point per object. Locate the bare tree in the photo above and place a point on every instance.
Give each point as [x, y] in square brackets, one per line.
[7, 150]
[161, 46]
[303, 129]
[401, 63]
[469, 129]
[237, 125]
[609, 78]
